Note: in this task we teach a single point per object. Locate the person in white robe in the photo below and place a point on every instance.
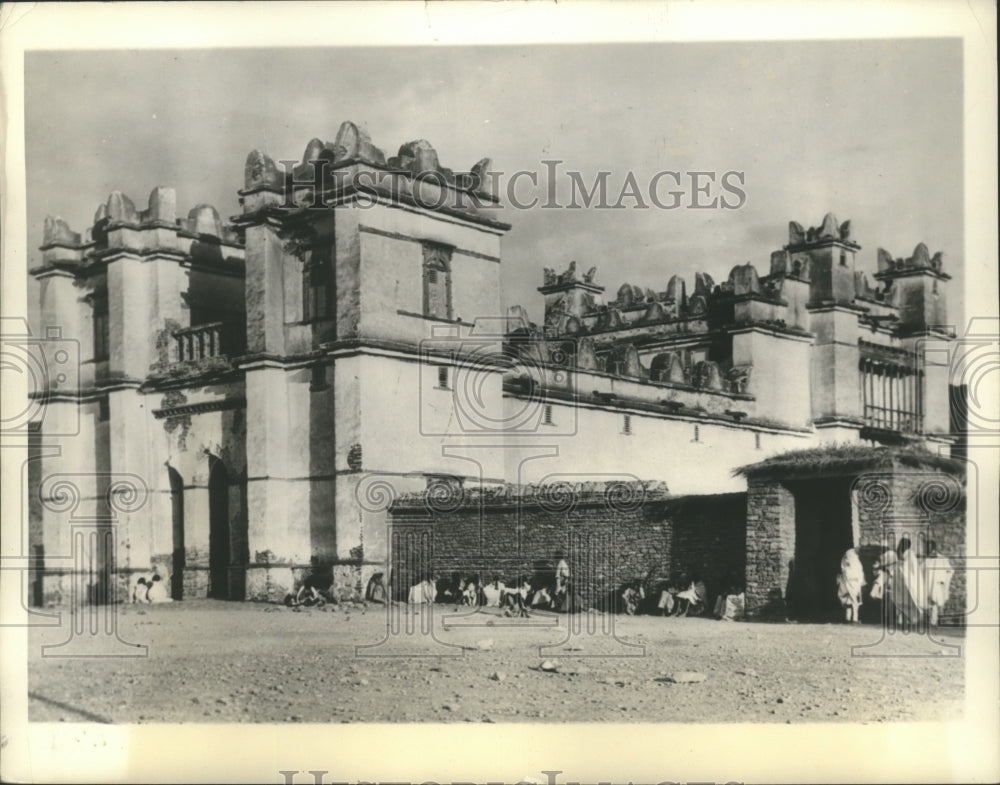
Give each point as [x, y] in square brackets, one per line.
[494, 591]
[938, 572]
[158, 591]
[908, 589]
[850, 582]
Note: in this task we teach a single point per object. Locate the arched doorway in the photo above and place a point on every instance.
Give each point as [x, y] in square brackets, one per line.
[177, 534]
[218, 532]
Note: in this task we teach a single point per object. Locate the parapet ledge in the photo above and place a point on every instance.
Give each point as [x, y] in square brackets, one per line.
[617, 495]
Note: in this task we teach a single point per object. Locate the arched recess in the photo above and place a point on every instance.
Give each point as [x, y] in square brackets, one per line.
[177, 534]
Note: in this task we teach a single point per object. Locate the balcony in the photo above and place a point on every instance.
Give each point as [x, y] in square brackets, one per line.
[201, 342]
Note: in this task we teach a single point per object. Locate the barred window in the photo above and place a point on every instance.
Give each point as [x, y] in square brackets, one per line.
[317, 284]
[437, 281]
[892, 396]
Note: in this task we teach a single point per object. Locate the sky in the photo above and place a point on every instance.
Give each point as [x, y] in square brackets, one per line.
[869, 130]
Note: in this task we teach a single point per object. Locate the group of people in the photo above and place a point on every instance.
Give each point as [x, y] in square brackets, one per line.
[911, 587]
[683, 596]
[549, 588]
[152, 590]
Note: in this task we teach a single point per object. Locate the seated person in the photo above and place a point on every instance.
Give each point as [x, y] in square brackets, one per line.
[542, 598]
[632, 597]
[449, 589]
[691, 601]
[158, 592]
[667, 602]
[422, 592]
[516, 600]
[309, 595]
[494, 591]
[732, 605]
[470, 596]
[375, 591]
[140, 591]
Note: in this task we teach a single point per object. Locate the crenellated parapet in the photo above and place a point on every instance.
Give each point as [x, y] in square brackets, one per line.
[119, 226]
[920, 261]
[915, 286]
[330, 172]
[573, 305]
[829, 230]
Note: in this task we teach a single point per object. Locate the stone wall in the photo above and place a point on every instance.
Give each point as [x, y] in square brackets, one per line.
[888, 502]
[606, 542]
[922, 505]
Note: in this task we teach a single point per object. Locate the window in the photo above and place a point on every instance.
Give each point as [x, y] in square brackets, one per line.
[892, 394]
[697, 434]
[756, 441]
[843, 258]
[547, 414]
[627, 425]
[103, 410]
[443, 377]
[101, 328]
[317, 284]
[437, 281]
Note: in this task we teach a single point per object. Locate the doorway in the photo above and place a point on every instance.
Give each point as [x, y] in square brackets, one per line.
[177, 534]
[219, 540]
[823, 531]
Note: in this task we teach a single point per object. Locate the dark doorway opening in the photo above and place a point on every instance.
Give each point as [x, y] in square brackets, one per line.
[177, 529]
[218, 530]
[823, 531]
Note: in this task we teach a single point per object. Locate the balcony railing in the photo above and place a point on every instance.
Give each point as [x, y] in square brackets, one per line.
[200, 342]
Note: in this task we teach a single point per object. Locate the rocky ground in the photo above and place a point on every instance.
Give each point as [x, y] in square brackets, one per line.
[212, 661]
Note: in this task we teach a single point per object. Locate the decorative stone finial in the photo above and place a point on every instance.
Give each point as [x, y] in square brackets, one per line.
[481, 182]
[56, 230]
[796, 234]
[204, 219]
[121, 208]
[162, 205]
[354, 143]
[744, 279]
[828, 229]
[261, 172]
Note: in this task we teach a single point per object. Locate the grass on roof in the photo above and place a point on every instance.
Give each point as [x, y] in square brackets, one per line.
[847, 458]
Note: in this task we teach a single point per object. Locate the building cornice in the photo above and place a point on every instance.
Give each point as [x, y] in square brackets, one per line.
[236, 402]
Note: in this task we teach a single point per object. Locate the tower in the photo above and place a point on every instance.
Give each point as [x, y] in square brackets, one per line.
[365, 277]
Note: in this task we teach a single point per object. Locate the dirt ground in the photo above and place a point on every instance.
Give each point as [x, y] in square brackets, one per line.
[211, 661]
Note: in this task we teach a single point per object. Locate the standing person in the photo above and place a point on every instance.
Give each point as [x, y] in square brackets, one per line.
[562, 578]
[938, 573]
[908, 591]
[850, 582]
